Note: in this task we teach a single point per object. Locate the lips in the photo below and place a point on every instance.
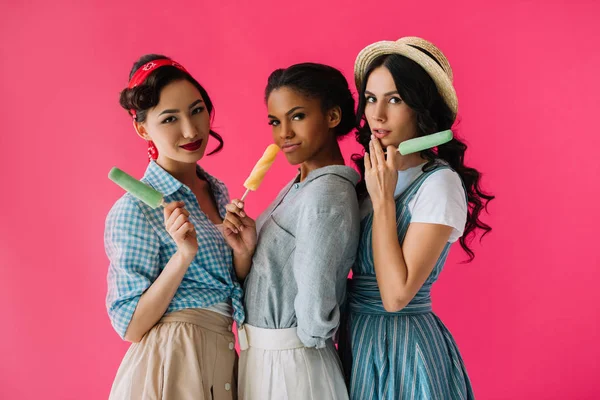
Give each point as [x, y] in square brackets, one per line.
[381, 133]
[290, 147]
[193, 146]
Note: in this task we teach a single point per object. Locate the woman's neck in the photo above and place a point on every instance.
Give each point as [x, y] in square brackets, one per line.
[409, 161]
[328, 155]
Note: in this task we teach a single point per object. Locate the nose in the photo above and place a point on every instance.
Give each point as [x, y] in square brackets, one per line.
[189, 130]
[379, 112]
[286, 131]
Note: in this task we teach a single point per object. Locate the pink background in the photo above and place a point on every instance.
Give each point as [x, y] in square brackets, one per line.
[524, 313]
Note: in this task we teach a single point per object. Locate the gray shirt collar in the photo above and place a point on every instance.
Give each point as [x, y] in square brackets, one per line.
[341, 170]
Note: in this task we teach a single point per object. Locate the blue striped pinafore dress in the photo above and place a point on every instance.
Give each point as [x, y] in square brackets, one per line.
[408, 354]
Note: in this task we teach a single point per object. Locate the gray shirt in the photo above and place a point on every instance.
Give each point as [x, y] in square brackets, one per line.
[307, 243]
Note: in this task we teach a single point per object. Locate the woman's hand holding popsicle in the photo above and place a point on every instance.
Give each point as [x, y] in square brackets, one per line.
[181, 229]
[240, 229]
[381, 174]
[240, 234]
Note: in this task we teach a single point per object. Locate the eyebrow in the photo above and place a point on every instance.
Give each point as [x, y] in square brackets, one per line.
[385, 94]
[195, 103]
[174, 111]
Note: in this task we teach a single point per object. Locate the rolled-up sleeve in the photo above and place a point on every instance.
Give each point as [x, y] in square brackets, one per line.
[325, 247]
[133, 249]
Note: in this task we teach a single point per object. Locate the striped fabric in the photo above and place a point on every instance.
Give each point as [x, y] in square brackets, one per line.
[408, 354]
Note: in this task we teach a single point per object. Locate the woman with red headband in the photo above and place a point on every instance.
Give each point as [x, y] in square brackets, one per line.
[175, 303]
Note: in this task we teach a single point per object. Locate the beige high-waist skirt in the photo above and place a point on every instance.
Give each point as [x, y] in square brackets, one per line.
[189, 354]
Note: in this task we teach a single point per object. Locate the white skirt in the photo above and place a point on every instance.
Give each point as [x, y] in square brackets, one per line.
[275, 365]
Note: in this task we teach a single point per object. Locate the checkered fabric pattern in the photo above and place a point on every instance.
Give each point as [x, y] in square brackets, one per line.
[138, 247]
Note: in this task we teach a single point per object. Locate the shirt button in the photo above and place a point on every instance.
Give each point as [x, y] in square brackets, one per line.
[227, 387]
[231, 346]
[296, 186]
[229, 328]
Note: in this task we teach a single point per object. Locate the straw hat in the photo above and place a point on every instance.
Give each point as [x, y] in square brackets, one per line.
[412, 48]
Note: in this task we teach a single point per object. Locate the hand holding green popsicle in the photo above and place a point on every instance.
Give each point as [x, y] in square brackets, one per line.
[177, 221]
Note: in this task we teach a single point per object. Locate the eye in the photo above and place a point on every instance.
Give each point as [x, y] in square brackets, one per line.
[371, 99]
[298, 117]
[168, 120]
[273, 122]
[395, 100]
[197, 110]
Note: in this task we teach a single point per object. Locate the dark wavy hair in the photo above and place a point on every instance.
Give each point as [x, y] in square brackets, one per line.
[321, 82]
[147, 95]
[417, 89]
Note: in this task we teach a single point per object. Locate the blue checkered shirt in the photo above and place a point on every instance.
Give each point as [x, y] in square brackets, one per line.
[138, 247]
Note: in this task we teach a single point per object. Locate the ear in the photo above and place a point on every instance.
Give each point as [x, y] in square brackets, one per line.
[334, 117]
[141, 130]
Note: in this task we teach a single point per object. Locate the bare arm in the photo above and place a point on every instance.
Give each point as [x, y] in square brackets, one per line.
[154, 302]
[400, 270]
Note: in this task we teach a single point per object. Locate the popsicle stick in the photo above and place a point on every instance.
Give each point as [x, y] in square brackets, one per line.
[245, 194]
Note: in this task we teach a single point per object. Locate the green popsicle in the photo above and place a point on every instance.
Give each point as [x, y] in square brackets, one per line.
[138, 189]
[425, 142]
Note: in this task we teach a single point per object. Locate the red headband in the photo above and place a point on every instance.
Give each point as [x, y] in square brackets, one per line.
[142, 73]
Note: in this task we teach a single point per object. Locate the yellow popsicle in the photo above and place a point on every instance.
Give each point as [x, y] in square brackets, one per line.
[260, 169]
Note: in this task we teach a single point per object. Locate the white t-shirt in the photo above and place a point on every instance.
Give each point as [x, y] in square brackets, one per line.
[440, 199]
